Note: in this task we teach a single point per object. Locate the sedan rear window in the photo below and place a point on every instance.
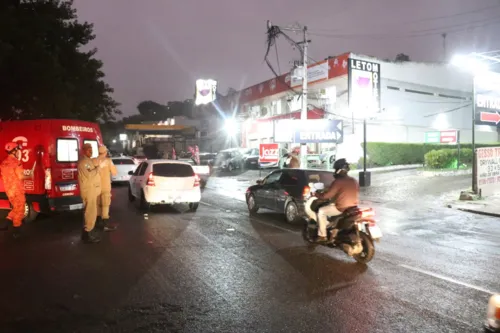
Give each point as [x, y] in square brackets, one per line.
[172, 170]
[123, 161]
[320, 177]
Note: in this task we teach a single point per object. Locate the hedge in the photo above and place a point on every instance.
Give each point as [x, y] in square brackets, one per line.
[386, 153]
[447, 158]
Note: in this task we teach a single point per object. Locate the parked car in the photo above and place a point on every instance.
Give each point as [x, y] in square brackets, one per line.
[164, 182]
[284, 190]
[123, 166]
[251, 157]
[229, 160]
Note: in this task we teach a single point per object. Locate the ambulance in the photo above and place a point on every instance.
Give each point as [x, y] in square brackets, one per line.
[50, 152]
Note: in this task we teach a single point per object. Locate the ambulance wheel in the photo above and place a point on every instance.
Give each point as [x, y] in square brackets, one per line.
[29, 213]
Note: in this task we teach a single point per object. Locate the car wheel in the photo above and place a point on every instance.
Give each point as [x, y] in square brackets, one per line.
[230, 168]
[252, 205]
[144, 204]
[292, 213]
[131, 197]
[193, 206]
[29, 213]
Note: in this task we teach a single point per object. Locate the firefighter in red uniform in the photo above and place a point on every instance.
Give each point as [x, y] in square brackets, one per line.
[13, 176]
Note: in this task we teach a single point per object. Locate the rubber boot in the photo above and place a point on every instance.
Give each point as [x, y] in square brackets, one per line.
[16, 233]
[99, 223]
[107, 227]
[89, 238]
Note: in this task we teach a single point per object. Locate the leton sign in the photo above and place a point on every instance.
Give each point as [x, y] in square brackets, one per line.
[269, 153]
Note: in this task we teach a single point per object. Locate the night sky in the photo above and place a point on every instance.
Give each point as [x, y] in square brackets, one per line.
[156, 49]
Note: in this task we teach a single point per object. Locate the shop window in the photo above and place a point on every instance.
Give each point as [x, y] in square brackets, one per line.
[67, 150]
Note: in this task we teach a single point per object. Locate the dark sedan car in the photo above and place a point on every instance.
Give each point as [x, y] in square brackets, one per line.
[283, 191]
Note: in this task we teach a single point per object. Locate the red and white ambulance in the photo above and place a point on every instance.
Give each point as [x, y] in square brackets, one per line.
[55, 145]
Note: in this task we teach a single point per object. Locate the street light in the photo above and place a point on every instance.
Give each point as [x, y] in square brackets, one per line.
[470, 63]
[230, 126]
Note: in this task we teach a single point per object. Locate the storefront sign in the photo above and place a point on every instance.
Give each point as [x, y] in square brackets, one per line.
[308, 131]
[487, 99]
[205, 91]
[364, 87]
[268, 153]
[449, 136]
[488, 170]
[315, 73]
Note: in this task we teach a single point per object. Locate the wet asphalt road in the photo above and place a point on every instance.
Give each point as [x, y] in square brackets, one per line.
[219, 270]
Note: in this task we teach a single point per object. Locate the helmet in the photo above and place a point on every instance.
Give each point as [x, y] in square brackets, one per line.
[341, 166]
[11, 146]
[103, 150]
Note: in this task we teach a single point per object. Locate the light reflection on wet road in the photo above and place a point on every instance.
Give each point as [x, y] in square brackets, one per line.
[219, 270]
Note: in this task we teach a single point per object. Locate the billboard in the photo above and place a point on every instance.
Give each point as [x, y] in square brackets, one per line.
[308, 131]
[364, 87]
[487, 98]
[205, 91]
[269, 153]
[488, 170]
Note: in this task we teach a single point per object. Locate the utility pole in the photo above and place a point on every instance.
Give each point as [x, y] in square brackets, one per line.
[444, 45]
[303, 113]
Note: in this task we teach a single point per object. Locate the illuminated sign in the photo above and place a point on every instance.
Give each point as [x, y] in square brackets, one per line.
[364, 86]
[205, 91]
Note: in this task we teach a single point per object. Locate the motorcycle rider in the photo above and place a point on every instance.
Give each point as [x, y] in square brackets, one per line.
[344, 191]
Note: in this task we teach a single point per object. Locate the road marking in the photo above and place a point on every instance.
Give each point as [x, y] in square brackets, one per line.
[442, 277]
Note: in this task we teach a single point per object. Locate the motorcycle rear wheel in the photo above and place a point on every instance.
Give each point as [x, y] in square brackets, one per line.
[368, 249]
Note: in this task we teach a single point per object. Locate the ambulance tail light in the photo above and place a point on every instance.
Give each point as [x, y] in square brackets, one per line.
[48, 180]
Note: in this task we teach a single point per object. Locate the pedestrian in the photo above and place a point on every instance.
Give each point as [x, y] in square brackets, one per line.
[292, 161]
[89, 179]
[106, 170]
[13, 180]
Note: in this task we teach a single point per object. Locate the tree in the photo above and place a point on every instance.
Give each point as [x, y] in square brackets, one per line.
[43, 71]
[401, 57]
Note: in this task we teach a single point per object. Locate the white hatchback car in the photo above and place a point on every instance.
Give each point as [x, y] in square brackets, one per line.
[123, 166]
[165, 182]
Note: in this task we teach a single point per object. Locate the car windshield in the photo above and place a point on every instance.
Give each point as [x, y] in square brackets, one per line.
[320, 177]
[172, 170]
[223, 155]
[123, 161]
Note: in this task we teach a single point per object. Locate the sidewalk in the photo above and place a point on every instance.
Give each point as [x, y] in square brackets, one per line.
[489, 206]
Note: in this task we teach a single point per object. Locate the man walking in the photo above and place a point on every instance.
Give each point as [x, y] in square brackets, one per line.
[89, 179]
[13, 180]
[106, 170]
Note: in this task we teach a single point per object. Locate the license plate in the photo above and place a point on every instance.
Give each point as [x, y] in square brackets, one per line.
[375, 231]
[75, 207]
[65, 188]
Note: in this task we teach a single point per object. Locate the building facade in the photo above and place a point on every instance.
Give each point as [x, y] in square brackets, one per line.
[414, 98]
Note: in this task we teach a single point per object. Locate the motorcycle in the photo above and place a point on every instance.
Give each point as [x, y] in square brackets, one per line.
[353, 224]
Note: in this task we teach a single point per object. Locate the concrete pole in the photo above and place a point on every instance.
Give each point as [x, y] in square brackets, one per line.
[303, 113]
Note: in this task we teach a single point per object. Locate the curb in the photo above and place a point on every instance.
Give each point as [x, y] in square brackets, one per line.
[479, 212]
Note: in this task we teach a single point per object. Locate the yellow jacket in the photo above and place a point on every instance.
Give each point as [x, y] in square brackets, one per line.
[106, 170]
[89, 177]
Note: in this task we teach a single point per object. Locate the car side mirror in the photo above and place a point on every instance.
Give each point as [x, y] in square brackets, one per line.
[259, 181]
[131, 173]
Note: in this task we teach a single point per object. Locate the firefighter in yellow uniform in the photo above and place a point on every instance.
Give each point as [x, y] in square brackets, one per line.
[106, 169]
[89, 179]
